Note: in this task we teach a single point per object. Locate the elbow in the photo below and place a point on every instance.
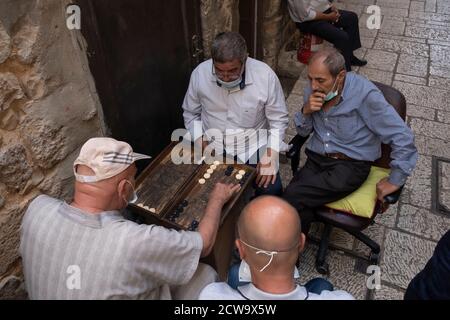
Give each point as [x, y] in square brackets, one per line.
[207, 248]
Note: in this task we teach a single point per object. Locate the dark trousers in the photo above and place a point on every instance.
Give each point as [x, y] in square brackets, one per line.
[344, 34]
[433, 282]
[323, 180]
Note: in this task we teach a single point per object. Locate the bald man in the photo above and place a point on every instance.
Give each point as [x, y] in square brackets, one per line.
[270, 240]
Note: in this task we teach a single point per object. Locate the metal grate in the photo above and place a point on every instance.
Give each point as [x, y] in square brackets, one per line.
[441, 185]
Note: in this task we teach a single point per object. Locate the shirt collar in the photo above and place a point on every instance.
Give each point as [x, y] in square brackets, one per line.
[88, 219]
[251, 292]
[347, 85]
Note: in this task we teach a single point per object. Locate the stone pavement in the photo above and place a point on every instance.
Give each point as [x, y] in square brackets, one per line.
[411, 52]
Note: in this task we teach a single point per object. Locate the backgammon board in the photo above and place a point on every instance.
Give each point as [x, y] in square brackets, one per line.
[176, 195]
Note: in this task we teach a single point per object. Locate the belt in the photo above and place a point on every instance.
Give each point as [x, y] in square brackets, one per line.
[338, 156]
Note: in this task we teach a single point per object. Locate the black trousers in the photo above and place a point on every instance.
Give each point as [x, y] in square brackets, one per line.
[344, 34]
[433, 282]
[323, 180]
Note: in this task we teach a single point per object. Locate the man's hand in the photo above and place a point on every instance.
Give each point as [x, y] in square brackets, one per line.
[384, 188]
[223, 192]
[333, 16]
[266, 170]
[210, 222]
[200, 146]
[334, 9]
[315, 103]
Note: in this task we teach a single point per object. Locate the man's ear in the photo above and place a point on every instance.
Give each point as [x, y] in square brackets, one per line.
[122, 190]
[301, 242]
[240, 248]
[341, 75]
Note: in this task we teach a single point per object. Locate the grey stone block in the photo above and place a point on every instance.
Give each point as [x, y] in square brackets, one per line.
[420, 112]
[410, 79]
[388, 293]
[381, 60]
[422, 222]
[412, 65]
[376, 75]
[404, 256]
[424, 96]
[342, 273]
[430, 146]
[431, 129]
[391, 26]
[417, 6]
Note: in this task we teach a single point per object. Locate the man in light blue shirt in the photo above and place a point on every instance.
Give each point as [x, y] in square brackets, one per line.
[350, 119]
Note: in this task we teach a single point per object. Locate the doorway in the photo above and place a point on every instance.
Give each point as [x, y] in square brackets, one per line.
[141, 54]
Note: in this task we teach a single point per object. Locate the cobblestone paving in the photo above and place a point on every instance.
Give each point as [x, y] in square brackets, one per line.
[411, 52]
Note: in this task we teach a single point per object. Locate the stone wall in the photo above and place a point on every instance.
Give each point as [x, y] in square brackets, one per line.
[217, 16]
[48, 108]
[280, 37]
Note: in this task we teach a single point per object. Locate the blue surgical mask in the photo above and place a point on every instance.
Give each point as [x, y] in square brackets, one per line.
[332, 94]
[231, 84]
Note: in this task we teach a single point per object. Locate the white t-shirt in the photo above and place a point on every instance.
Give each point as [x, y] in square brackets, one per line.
[306, 10]
[222, 291]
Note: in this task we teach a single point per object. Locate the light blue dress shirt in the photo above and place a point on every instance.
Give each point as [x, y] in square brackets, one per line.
[357, 126]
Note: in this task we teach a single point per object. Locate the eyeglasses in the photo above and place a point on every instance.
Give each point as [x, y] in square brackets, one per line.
[232, 74]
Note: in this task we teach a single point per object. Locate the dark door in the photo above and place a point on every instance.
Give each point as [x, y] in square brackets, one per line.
[250, 25]
[141, 54]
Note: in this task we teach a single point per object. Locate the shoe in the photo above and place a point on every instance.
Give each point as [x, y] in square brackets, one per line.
[358, 62]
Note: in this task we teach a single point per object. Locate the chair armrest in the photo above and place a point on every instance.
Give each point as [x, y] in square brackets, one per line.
[297, 142]
[393, 197]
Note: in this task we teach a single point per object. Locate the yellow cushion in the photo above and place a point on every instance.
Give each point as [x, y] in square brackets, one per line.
[362, 201]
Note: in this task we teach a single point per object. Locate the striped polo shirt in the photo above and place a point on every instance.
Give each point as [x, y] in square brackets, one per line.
[71, 254]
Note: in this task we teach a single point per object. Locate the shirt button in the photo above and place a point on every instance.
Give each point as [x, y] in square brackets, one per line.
[328, 134]
[326, 145]
[326, 119]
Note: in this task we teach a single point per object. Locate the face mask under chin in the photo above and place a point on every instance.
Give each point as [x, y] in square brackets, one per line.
[231, 84]
[332, 94]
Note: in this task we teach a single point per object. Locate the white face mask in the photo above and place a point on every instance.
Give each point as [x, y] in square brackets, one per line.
[271, 254]
[134, 195]
[229, 85]
[261, 251]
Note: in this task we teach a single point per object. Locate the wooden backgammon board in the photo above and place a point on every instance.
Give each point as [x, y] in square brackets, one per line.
[175, 196]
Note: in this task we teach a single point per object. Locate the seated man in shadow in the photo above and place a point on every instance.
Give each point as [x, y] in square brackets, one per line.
[270, 241]
[339, 27]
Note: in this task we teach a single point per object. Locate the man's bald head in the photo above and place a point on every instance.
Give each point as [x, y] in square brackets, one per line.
[270, 223]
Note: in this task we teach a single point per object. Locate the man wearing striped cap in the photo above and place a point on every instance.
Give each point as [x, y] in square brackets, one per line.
[86, 249]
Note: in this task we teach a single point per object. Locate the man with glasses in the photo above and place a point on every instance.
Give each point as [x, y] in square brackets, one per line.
[235, 105]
